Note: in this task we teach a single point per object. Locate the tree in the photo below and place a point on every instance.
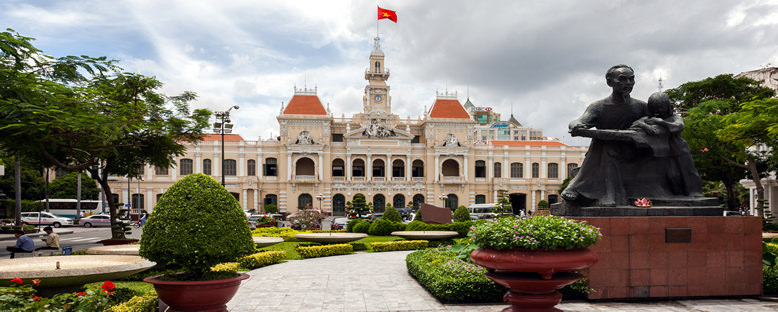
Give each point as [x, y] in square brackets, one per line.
[359, 206]
[67, 187]
[392, 214]
[82, 113]
[705, 106]
[503, 202]
[32, 180]
[461, 214]
[543, 204]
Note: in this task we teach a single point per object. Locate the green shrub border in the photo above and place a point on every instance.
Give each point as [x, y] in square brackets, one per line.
[399, 245]
[324, 250]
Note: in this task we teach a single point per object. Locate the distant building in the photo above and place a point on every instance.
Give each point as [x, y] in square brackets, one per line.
[322, 161]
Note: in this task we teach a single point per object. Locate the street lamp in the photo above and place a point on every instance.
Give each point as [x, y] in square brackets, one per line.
[320, 197]
[443, 197]
[223, 125]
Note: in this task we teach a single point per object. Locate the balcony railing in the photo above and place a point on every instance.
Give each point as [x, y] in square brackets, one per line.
[398, 179]
[304, 177]
[338, 178]
[358, 179]
[379, 179]
[418, 179]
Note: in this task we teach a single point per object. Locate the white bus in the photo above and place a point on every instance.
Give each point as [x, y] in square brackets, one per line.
[482, 211]
[67, 207]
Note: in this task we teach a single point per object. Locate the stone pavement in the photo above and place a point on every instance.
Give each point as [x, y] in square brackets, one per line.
[380, 282]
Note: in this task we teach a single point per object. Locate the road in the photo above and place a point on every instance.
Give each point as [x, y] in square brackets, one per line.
[81, 238]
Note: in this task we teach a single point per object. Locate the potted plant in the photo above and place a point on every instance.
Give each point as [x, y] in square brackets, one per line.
[196, 224]
[122, 225]
[534, 256]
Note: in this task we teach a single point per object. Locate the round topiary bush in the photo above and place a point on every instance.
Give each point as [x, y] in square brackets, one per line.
[196, 225]
[362, 227]
[392, 214]
[461, 214]
[383, 227]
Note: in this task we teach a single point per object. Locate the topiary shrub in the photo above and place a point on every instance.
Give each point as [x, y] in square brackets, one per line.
[196, 225]
[351, 223]
[461, 214]
[383, 227]
[362, 227]
[392, 214]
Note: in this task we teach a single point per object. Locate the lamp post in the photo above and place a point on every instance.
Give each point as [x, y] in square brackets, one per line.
[223, 125]
[320, 197]
[443, 197]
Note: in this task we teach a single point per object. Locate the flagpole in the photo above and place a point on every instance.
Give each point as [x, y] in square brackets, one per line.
[376, 23]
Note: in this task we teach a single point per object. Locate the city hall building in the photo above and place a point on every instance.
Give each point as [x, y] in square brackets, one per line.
[454, 155]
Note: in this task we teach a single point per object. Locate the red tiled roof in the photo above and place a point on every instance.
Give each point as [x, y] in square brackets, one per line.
[531, 143]
[305, 105]
[448, 109]
[227, 137]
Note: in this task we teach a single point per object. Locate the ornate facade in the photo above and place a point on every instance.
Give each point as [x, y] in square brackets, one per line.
[323, 161]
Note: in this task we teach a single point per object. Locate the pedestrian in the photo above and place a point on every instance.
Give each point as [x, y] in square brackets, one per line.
[522, 214]
[52, 239]
[81, 214]
[143, 218]
[23, 244]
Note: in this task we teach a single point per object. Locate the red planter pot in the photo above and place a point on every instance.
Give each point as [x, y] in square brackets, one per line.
[209, 296]
[533, 276]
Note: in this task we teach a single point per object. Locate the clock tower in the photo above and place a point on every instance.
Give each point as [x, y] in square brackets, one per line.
[376, 99]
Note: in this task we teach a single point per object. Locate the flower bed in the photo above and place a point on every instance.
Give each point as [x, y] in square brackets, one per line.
[460, 227]
[452, 280]
[537, 232]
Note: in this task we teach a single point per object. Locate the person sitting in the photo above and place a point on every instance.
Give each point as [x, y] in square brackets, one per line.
[23, 244]
[52, 239]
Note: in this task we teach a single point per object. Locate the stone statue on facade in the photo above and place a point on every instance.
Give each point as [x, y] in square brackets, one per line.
[375, 129]
[304, 138]
[451, 140]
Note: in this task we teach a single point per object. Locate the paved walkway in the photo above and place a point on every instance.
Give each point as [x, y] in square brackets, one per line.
[380, 282]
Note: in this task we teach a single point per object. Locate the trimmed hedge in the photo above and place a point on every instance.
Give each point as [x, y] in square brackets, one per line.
[361, 227]
[324, 250]
[452, 280]
[144, 303]
[399, 245]
[770, 279]
[283, 232]
[384, 227]
[261, 259]
[461, 214]
[460, 227]
[358, 246]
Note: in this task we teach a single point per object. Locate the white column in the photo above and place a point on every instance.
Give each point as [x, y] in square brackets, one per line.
[527, 166]
[388, 168]
[467, 172]
[408, 167]
[563, 167]
[260, 166]
[369, 166]
[321, 168]
[174, 174]
[437, 168]
[244, 200]
[216, 166]
[506, 166]
[256, 203]
[543, 169]
[533, 202]
[348, 167]
[149, 194]
[241, 165]
[490, 168]
[289, 166]
[198, 163]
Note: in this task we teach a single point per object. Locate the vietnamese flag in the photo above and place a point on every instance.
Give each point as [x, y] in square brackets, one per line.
[384, 13]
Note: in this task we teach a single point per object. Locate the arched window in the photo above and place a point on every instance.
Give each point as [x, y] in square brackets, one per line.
[271, 199]
[358, 168]
[378, 168]
[338, 169]
[553, 171]
[186, 165]
[230, 167]
[480, 169]
[137, 201]
[450, 168]
[304, 167]
[379, 203]
[497, 170]
[517, 170]
[398, 168]
[535, 170]
[417, 199]
[160, 171]
[271, 167]
[338, 205]
[304, 201]
[251, 167]
[553, 199]
[398, 201]
[207, 167]
[417, 170]
[452, 202]
[570, 168]
[480, 199]
[377, 67]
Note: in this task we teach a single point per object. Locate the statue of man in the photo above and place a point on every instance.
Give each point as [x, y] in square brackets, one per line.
[599, 181]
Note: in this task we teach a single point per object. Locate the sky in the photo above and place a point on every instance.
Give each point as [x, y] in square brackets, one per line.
[543, 61]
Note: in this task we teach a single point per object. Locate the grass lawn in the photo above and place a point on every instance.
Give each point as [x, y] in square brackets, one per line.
[291, 253]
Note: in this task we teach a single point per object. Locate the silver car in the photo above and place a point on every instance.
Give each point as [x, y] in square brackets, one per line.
[95, 220]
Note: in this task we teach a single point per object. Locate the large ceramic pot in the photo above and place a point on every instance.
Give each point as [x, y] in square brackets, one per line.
[209, 296]
[533, 276]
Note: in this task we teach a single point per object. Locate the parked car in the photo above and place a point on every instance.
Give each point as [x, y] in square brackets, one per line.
[376, 216]
[47, 218]
[405, 213]
[95, 220]
[339, 223]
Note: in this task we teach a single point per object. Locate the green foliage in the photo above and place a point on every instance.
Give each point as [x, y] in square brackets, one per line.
[451, 280]
[383, 227]
[565, 182]
[33, 187]
[143, 303]
[358, 246]
[351, 223]
[261, 259]
[770, 279]
[22, 297]
[577, 291]
[770, 252]
[195, 225]
[460, 227]
[286, 233]
[362, 227]
[392, 214]
[325, 250]
[67, 187]
[358, 207]
[270, 208]
[307, 220]
[461, 214]
[399, 245]
[536, 232]
[226, 267]
[503, 202]
[542, 204]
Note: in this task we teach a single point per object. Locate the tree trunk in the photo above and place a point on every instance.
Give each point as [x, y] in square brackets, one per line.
[103, 181]
[732, 199]
[757, 184]
[18, 190]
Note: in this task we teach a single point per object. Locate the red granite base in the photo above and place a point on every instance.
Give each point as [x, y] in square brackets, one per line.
[696, 257]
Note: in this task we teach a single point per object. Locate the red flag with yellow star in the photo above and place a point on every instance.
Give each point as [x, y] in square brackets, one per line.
[384, 13]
